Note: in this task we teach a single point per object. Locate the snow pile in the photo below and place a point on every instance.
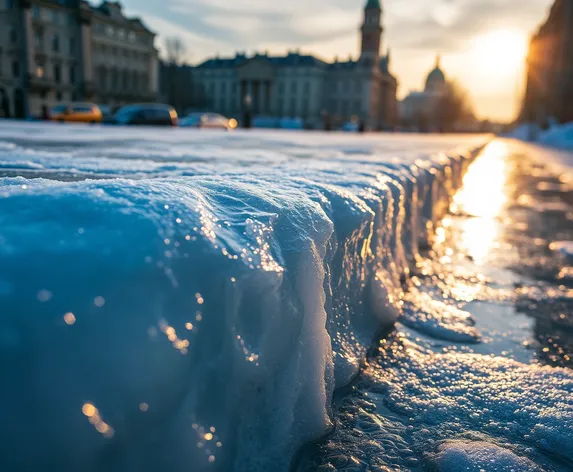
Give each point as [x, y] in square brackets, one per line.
[199, 315]
[557, 135]
[560, 136]
[467, 456]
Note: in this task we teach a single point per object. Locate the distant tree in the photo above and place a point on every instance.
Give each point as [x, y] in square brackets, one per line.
[454, 106]
[175, 49]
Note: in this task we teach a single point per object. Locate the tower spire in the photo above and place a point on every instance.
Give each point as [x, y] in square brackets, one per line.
[371, 30]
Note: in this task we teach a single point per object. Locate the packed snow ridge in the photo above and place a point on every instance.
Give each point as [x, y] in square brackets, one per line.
[180, 300]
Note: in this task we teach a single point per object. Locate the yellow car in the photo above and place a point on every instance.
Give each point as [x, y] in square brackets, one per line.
[76, 113]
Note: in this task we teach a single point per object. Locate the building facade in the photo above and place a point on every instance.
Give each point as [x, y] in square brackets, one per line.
[549, 89]
[59, 51]
[303, 86]
[419, 108]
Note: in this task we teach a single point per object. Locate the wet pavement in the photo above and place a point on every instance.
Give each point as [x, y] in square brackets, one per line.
[479, 369]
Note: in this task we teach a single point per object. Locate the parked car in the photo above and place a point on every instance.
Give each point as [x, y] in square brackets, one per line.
[76, 113]
[146, 114]
[106, 114]
[207, 120]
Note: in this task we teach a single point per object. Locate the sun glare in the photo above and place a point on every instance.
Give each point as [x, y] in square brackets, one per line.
[501, 52]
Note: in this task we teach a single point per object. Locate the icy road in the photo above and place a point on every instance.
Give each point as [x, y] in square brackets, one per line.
[177, 300]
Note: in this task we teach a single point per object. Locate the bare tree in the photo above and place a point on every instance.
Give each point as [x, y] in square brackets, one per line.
[455, 106]
[175, 49]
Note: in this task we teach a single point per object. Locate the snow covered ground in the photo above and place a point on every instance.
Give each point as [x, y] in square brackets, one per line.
[189, 300]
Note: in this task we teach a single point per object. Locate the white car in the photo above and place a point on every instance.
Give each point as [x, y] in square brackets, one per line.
[207, 120]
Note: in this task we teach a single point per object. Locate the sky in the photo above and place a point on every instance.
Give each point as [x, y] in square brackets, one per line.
[482, 42]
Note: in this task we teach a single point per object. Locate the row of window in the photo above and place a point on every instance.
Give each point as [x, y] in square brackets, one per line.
[223, 88]
[119, 33]
[125, 80]
[56, 17]
[120, 52]
[55, 43]
[57, 72]
[341, 86]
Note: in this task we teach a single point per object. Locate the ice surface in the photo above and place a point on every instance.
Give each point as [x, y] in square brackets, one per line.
[196, 305]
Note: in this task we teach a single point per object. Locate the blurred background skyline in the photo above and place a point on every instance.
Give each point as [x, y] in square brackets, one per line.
[482, 43]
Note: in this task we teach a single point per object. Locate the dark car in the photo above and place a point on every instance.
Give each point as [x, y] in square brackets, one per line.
[146, 114]
[106, 114]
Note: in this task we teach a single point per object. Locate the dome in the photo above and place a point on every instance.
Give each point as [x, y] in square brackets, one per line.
[436, 78]
[373, 4]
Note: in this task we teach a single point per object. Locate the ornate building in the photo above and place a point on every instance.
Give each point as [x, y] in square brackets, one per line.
[419, 108]
[549, 91]
[58, 51]
[303, 86]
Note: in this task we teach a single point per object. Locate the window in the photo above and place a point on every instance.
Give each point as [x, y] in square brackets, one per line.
[72, 72]
[223, 88]
[38, 39]
[13, 35]
[71, 19]
[125, 80]
[293, 87]
[131, 37]
[54, 16]
[59, 96]
[357, 86]
[306, 88]
[36, 12]
[121, 34]
[9, 4]
[39, 71]
[56, 43]
[293, 107]
[82, 108]
[72, 46]
[57, 73]
[109, 30]
[281, 88]
[15, 69]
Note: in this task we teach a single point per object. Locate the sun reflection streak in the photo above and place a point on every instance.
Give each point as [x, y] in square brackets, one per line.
[483, 197]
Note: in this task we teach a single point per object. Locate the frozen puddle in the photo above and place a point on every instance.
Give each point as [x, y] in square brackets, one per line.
[477, 376]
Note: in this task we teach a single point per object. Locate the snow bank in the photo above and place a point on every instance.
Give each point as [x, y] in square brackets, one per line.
[198, 315]
[557, 136]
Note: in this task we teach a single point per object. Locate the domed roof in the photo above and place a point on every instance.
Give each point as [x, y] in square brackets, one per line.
[436, 78]
[373, 4]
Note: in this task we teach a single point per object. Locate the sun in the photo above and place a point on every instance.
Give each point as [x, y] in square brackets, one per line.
[501, 52]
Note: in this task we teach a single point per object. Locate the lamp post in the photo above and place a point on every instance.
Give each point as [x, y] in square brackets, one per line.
[247, 113]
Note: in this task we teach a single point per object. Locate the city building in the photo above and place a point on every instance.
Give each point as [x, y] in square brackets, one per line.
[122, 65]
[419, 108]
[303, 86]
[58, 51]
[549, 89]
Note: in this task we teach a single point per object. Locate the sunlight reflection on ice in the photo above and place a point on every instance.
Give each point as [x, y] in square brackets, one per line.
[483, 196]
